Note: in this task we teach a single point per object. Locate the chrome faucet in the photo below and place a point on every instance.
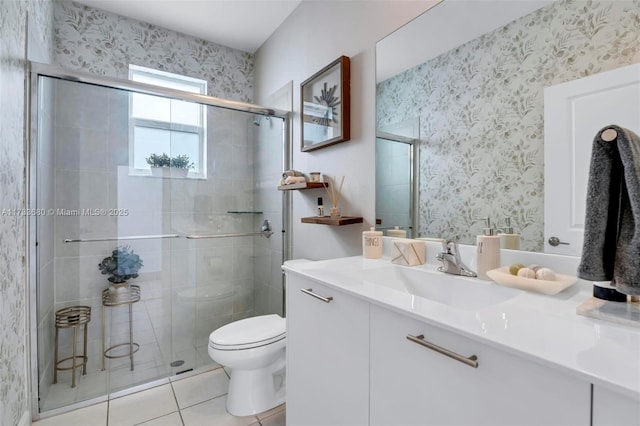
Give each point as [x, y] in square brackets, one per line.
[451, 262]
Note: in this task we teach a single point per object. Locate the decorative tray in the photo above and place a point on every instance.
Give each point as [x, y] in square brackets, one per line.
[503, 277]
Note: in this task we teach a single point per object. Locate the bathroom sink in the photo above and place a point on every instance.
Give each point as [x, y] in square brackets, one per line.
[452, 290]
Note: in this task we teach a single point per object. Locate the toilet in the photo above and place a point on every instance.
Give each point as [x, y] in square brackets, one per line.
[254, 350]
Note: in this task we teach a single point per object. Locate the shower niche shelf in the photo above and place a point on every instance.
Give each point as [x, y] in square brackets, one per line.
[328, 220]
[304, 185]
[243, 212]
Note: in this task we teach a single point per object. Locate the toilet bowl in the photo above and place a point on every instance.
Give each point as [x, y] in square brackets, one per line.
[254, 350]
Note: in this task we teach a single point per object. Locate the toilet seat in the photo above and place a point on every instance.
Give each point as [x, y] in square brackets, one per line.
[249, 333]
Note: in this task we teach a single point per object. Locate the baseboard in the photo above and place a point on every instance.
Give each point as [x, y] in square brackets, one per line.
[25, 420]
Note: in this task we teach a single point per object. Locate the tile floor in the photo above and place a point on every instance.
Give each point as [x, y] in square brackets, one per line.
[198, 400]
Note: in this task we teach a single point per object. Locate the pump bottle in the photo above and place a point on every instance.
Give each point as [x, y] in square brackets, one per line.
[508, 238]
[487, 251]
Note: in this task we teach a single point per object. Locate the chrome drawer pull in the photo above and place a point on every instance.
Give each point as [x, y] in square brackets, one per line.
[470, 361]
[310, 292]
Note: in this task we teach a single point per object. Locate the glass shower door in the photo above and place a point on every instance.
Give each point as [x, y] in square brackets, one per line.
[224, 269]
[97, 203]
[100, 196]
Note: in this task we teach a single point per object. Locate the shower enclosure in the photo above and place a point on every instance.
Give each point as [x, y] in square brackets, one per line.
[210, 242]
[397, 168]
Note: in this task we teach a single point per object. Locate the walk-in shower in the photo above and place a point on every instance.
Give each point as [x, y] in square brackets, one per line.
[397, 183]
[209, 242]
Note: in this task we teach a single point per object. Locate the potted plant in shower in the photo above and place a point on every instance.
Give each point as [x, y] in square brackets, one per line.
[162, 165]
[180, 165]
[122, 265]
[159, 164]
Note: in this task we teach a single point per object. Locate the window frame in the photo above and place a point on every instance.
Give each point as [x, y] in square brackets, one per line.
[199, 130]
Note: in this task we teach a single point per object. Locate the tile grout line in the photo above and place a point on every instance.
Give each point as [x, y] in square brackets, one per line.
[202, 402]
[175, 397]
[207, 400]
[155, 334]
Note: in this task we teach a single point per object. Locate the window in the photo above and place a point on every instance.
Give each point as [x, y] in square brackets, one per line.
[161, 125]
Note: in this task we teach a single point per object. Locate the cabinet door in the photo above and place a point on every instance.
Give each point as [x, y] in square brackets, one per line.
[614, 409]
[414, 385]
[327, 356]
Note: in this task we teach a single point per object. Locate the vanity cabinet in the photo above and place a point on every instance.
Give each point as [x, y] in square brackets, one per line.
[614, 409]
[412, 384]
[327, 355]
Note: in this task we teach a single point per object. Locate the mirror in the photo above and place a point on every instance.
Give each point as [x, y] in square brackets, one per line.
[397, 161]
[473, 73]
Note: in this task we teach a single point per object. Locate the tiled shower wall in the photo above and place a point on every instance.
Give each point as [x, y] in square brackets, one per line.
[268, 155]
[45, 229]
[393, 181]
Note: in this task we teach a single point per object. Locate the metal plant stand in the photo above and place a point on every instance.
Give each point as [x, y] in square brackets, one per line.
[110, 300]
[72, 317]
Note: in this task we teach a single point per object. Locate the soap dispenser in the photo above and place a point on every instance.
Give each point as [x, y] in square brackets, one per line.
[487, 251]
[508, 238]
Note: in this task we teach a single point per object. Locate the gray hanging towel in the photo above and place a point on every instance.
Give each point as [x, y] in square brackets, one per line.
[611, 250]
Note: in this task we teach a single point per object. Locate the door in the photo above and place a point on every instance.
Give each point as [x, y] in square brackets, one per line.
[573, 114]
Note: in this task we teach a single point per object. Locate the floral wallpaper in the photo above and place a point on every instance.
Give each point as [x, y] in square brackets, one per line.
[99, 42]
[14, 386]
[481, 112]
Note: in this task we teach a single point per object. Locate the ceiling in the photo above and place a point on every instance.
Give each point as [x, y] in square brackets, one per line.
[240, 24]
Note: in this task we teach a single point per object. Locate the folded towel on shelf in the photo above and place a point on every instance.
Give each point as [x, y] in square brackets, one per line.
[287, 173]
[294, 179]
[611, 249]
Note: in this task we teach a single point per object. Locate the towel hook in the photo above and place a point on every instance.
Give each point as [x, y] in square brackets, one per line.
[609, 135]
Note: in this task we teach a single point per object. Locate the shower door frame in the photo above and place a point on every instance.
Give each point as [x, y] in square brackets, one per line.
[35, 70]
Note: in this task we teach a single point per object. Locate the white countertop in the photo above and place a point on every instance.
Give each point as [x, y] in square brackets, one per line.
[542, 328]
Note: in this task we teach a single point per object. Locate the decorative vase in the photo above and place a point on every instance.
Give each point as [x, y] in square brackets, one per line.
[160, 171]
[119, 291]
[179, 172]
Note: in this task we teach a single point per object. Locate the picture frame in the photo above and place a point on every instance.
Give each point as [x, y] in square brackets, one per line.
[325, 106]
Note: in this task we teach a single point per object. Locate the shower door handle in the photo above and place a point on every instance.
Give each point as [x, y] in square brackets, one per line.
[265, 231]
[131, 237]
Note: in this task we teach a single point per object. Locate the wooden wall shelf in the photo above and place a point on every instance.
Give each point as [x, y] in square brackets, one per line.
[327, 220]
[304, 185]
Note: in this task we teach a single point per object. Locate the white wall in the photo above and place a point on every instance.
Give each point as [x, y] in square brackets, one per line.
[314, 35]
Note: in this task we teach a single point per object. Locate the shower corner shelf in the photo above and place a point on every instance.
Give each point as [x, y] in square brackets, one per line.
[328, 220]
[244, 212]
[304, 185]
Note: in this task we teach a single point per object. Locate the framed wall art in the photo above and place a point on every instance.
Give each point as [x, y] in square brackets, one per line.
[325, 106]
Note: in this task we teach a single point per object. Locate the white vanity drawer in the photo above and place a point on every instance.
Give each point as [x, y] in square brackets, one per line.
[414, 383]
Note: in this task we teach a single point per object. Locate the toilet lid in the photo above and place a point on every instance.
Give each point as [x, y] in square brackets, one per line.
[249, 332]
